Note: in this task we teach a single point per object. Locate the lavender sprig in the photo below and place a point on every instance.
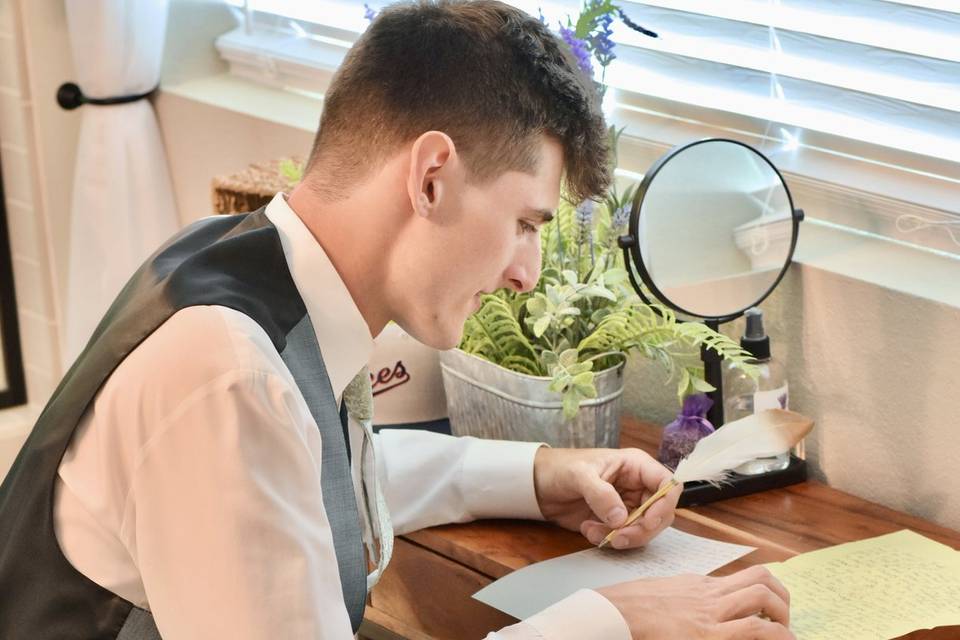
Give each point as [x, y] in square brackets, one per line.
[369, 13]
[579, 49]
[621, 217]
[584, 216]
[584, 219]
[601, 43]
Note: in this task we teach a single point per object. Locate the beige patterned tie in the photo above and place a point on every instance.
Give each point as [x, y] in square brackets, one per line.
[358, 397]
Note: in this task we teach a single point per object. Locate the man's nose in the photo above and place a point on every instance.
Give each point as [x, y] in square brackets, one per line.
[524, 272]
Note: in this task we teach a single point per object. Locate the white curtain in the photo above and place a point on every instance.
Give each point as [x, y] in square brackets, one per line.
[123, 206]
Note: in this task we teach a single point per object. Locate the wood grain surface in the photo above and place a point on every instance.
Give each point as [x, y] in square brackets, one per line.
[427, 587]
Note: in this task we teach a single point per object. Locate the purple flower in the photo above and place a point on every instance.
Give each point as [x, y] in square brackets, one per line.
[369, 13]
[621, 217]
[542, 18]
[584, 214]
[600, 41]
[579, 49]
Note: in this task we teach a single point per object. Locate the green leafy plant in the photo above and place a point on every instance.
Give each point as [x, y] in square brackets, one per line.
[291, 170]
[584, 316]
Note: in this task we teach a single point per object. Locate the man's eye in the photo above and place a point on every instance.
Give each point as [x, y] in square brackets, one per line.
[526, 227]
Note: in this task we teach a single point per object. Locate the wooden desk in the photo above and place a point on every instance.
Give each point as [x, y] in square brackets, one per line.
[426, 591]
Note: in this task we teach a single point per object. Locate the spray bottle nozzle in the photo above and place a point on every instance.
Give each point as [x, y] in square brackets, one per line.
[754, 323]
[754, 338]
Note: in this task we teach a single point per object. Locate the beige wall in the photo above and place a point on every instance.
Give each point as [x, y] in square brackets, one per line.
[877, 370]
[36, 145]
[188, 51]
[45, 53]
[38, 142]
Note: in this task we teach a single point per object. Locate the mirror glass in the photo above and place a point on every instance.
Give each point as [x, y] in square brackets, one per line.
[715, 228]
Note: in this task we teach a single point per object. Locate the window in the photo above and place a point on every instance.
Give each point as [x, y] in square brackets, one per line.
[857, 102]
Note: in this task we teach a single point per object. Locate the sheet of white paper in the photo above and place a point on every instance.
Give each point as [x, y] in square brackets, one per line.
[526, 591]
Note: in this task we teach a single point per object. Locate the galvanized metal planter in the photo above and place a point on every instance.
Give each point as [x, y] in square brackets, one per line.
[487, 401]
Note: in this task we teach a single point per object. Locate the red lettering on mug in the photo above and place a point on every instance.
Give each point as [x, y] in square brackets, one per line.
[387, 378]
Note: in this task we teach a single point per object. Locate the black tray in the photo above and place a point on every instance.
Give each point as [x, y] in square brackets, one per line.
[739, 485]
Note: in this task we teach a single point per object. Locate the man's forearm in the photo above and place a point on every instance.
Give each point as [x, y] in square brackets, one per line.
[432, 479]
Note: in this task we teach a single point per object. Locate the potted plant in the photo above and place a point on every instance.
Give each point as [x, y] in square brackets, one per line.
[547, 365]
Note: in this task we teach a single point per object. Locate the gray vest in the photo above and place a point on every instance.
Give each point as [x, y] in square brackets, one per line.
[232, 261]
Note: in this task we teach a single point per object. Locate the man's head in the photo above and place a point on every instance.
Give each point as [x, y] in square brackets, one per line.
[471, 113]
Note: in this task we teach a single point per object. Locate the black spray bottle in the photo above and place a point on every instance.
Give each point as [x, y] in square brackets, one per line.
[744, 396]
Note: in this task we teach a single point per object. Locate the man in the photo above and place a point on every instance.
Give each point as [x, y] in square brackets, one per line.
[191, 477]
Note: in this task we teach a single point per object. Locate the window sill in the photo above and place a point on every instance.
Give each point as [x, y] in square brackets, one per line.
[886, 263]
[890, 263]
[253, 99]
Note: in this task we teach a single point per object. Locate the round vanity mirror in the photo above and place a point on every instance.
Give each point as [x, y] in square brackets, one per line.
[712, 229]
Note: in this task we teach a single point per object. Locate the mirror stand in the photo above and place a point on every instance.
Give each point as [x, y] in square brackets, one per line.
[695, 493]
[713, 375]
[726, 203]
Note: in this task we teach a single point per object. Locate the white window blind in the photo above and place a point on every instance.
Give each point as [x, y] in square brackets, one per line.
[881, 72]
[858, 101]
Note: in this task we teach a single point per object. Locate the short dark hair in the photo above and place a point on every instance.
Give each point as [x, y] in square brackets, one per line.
[487, 74]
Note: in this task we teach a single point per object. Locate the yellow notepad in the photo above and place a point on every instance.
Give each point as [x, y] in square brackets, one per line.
[874, 589]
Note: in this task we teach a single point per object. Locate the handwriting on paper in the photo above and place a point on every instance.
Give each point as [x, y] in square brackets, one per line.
[528, 590]
[874, 589]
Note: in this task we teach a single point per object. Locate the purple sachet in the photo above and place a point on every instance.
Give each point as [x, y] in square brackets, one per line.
[682, 435]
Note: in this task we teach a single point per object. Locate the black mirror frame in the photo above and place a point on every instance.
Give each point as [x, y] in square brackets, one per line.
[633, 258]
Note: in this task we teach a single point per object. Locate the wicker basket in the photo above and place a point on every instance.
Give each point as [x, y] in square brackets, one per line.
[487, 401]
[252, 188]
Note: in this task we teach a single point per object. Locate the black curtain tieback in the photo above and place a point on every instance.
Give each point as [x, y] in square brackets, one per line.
[69, 96]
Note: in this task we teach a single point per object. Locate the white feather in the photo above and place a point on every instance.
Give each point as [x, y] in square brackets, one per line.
[767, 433]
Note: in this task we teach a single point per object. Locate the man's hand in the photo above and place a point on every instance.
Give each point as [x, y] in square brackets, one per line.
[592, 491]
[706, 608]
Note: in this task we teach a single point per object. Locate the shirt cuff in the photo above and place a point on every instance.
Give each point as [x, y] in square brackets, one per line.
[584, 614]
[497, 479]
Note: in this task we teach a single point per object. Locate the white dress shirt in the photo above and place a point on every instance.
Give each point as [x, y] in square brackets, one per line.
[192, 485]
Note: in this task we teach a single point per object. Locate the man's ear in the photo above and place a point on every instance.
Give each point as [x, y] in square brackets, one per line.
[433, 161]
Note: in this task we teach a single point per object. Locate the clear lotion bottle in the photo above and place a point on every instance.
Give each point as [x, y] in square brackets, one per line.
[744, 396]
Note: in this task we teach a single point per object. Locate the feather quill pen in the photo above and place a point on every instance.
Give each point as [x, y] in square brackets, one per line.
[767, 433]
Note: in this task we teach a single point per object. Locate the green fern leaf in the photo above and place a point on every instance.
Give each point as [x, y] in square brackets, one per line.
[495, 334]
